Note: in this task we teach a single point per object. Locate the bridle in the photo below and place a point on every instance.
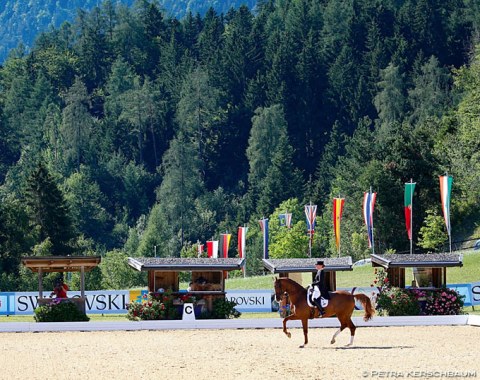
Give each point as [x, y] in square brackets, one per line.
[278, 284]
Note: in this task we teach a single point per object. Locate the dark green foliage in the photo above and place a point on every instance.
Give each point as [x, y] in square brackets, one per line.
[163, 132]
[19, 18]
[49, 211]
[222, 309]
[15, 235]
[60, 311]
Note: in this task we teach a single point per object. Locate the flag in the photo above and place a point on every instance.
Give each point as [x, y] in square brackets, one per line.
[285, 220]
[445, 191]
[288, 217]
[224, 244]
[368, 205]
[408, 204]
[242, 235]
[264, 228]
[338, 204]
[311, 214]
[212, 248]
[200, 250]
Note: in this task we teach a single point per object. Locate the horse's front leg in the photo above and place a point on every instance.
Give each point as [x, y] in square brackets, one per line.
[305, 332]
[287, 333]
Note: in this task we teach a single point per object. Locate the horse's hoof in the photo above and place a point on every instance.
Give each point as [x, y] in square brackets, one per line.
[302, 346]
[289, 335]
[348, 345]
[332, 341]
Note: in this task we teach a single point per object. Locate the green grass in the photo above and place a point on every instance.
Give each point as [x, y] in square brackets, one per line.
[470, 272]
[363, 276]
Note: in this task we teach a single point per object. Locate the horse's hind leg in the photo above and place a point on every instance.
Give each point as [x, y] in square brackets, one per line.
[342, 327]
[352, 328]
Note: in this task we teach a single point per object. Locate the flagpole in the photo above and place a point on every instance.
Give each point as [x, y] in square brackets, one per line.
[339, 241]
[244, 237]
[449, 234]
[411, 216]
[310, 232]
[373, 239]
[449, 225]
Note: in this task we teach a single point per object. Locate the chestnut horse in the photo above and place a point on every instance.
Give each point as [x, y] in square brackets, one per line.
[341, 304]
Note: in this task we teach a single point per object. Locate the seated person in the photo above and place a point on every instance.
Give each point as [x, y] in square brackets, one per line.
[60, 289]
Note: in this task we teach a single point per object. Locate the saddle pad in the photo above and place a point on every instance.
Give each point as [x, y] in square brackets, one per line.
[310, 303]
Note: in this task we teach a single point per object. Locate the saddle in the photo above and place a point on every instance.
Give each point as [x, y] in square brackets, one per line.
[310, 298]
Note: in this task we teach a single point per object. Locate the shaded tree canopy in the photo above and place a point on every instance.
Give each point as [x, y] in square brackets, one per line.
[165, 131]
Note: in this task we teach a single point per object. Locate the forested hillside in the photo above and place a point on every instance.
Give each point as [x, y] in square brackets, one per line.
[127, 133]
[21, 20]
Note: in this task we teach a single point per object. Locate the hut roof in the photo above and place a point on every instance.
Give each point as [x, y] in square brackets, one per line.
[429, 260]
[307, 265]
[61, 263]
[184, 264]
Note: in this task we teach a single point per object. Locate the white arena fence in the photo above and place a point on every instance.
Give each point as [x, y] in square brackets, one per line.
[215, 324]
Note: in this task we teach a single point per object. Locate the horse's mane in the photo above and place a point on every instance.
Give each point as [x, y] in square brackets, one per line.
[296, 285]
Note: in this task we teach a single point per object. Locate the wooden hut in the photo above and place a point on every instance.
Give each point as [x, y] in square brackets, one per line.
[61, 264]
[430, 270]
[207, 274]
[290, 267]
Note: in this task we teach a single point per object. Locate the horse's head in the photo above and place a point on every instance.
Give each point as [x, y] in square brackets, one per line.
[279, 291]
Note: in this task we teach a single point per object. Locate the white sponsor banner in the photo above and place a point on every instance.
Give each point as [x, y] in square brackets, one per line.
[475, 293]
[96, 302]
[7, 300]
[251, 300]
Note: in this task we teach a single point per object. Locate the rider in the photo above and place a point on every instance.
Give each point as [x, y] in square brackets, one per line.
[319, 282]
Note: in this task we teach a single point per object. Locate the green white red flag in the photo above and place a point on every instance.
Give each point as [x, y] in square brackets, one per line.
[408, 207]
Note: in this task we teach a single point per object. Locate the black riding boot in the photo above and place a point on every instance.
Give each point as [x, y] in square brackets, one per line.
[319, 305]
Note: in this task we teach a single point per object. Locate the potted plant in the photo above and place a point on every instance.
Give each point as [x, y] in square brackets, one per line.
[154, 306]
[60, 310]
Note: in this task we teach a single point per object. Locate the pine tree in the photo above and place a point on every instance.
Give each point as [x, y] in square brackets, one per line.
[76, 126]
[16, 236]
[198, 116]
[282, 181]
[181, 185]
[49, 211]
[390, 100]
[268, 128]
[85, 199]
[430, 96]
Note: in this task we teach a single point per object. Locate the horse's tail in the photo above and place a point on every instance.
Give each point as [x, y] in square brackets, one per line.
[367, 305]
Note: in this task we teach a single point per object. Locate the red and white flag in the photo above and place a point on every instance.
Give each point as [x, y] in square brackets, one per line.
[242, 234]
[212, 249]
